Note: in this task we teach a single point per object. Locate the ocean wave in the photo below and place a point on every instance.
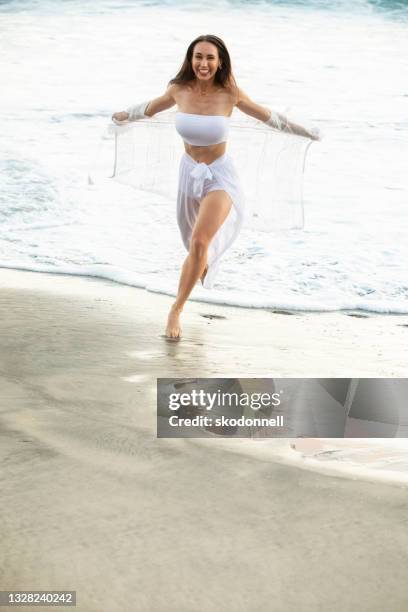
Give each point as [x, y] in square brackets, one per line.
[395, 8]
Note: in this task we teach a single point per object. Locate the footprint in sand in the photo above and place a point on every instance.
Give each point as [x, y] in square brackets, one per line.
[283, 312]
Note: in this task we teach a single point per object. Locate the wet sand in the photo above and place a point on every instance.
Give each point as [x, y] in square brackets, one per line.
[92, 501]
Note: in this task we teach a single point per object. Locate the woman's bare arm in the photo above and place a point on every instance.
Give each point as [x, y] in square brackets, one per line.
[147, 109]
[276, 120]
[247, 106]
[161, 103]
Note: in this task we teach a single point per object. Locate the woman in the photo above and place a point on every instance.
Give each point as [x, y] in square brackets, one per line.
[210, 205]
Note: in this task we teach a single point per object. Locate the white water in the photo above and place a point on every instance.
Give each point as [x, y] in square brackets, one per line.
[383, 460]
[69, 66]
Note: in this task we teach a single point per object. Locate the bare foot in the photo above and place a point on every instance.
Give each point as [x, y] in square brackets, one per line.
[173, 329]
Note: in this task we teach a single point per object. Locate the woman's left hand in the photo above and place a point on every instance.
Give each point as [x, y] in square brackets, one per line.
[315, 134]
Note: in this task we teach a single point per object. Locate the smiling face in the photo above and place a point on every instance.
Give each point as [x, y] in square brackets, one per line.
[205, 61]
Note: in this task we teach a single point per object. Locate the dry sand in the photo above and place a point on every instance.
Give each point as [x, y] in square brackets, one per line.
[91, 501]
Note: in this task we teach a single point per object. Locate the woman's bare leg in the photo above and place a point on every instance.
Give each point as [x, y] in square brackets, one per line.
[213, 211]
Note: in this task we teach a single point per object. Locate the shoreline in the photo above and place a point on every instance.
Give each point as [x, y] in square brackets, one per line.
[273, 342]
[202, 296]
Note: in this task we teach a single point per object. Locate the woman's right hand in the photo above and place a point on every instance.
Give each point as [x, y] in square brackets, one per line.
[121, 116]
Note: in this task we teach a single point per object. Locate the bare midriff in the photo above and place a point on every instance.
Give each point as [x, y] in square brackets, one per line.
[205, 155]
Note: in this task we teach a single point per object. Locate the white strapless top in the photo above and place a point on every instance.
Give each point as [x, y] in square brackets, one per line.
[202, 130]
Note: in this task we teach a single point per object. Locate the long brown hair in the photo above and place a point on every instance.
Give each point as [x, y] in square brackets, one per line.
[223, 76]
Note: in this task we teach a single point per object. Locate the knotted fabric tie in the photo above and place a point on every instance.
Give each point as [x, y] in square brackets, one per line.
[200, 174]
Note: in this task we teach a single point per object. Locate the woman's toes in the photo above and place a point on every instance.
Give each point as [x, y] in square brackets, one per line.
[173, 329]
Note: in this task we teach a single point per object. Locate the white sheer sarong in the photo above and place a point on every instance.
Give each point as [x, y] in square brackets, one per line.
[196, 180]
